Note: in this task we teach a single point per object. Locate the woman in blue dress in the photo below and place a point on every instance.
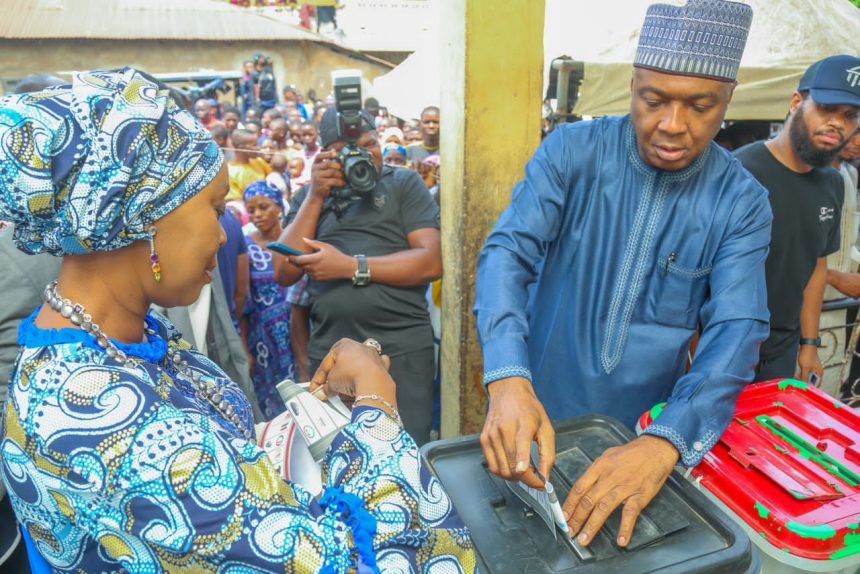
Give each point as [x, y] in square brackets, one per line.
[124, 449]
[266, 324]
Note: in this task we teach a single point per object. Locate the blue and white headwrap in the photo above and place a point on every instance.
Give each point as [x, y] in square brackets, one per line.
[264, 189]
[88, 167]
[390, 147]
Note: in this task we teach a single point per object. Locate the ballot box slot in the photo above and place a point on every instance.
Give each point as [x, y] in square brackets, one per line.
[679, 532]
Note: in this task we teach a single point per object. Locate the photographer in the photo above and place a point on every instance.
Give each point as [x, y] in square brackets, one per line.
[371, 256]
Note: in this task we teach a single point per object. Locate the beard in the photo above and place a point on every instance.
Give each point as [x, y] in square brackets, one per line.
[805, 148]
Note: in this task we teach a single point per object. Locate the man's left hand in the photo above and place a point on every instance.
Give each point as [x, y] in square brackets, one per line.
[808, 363]
[631, 475]
[326, 263]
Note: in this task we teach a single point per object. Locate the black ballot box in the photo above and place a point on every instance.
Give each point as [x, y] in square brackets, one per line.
[679, 532]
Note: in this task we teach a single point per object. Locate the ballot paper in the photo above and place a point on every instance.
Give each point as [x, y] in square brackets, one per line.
[318, 421]
[537, 500]
[296, 440]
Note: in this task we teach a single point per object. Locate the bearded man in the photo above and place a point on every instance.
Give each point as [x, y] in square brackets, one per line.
[806, 196]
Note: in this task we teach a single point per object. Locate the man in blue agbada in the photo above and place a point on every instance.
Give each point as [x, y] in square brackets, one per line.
[625, 236]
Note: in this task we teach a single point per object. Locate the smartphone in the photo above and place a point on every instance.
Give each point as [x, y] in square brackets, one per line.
[283, 249]
[814, 379]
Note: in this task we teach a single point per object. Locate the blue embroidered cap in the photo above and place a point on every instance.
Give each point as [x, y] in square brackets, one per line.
[88, 167]
[704, 38]
[833, 81]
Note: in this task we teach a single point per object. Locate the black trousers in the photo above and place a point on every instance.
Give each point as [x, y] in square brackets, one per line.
[414, 374]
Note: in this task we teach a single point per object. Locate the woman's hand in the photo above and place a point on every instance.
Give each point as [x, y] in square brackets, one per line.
[353, 369]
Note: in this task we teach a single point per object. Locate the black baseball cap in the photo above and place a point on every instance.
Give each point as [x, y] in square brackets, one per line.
[833, 81]
[329, 130]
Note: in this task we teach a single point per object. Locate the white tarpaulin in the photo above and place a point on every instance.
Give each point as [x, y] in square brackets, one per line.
[786, 37]
[411, 86]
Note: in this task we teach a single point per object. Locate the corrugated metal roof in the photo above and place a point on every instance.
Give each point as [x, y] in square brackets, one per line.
[141, 19]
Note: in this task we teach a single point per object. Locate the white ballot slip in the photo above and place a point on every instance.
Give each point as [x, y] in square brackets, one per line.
[296, 440]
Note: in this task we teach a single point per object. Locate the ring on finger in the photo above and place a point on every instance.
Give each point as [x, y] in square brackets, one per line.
[374, 344]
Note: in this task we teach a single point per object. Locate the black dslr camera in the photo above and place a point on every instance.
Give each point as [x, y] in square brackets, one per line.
[359, 169]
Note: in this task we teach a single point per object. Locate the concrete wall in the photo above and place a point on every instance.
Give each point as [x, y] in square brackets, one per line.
[305, 64]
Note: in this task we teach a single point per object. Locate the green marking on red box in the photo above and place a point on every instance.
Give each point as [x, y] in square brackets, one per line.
[817, 531]
[791, 383]
[788, 466]
[852, 547]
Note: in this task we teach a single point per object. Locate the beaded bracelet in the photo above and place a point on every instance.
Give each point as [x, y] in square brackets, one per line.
[394, 412]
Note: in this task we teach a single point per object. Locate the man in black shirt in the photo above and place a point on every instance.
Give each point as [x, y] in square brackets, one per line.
[806, 196]
[265, 87]
[392, 233]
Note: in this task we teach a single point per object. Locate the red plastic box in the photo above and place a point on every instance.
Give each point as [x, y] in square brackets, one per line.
[788, 467]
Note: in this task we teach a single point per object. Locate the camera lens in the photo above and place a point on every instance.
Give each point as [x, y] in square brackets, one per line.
[360, 173]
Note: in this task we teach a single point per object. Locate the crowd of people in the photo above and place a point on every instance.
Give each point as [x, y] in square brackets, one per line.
[273, 146]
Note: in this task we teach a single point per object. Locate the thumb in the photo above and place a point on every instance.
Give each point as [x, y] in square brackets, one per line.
[313, 243]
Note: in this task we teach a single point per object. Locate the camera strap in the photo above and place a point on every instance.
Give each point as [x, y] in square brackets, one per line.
[338, 206]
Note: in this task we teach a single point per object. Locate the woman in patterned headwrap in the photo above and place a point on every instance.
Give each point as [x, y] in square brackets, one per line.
[122, 448]
[266, 324]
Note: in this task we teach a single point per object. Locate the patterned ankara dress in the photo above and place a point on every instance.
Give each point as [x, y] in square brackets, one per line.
[268, 313]
[120, 467]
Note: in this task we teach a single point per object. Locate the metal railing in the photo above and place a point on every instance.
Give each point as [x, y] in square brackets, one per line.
[838, 355]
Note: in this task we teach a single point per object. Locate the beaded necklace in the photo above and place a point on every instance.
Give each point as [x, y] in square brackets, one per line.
[207, 391]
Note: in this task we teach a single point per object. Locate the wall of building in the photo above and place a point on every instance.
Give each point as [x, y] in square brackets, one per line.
[305, 64]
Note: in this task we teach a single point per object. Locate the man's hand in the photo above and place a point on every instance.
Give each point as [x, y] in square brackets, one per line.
[631, 475]
[515, 419]
[326, 263]
[846, 283]
[808, 363]
[326, 174]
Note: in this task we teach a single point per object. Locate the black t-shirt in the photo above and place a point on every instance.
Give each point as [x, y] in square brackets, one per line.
[268, 87]
[806, 225]
[374, 225]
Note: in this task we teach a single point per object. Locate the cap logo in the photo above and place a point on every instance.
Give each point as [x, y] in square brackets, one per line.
[853, 77]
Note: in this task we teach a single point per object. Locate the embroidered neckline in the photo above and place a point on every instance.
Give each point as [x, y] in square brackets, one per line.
[31, 335]
[641, 166]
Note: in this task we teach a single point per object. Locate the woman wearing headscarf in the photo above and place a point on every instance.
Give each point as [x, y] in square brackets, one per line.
[122, 448]
[266, 323]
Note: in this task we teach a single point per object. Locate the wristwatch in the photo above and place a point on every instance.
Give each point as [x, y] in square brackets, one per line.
[362, 274]
[811, 342]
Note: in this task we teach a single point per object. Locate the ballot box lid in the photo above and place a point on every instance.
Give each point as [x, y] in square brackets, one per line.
[788, 466]
[680, 531]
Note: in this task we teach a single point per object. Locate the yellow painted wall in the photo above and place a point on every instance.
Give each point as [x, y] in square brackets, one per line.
[491, 117]
[305, 64]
